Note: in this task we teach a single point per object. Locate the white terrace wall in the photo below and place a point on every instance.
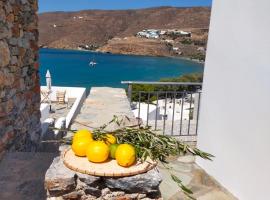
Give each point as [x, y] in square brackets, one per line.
[234, 121]
[77, 93]
[19, 79]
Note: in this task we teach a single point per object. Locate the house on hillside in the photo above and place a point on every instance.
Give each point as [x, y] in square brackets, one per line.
[163, 32]
[149, 33]
[169, 41]
[178, 33]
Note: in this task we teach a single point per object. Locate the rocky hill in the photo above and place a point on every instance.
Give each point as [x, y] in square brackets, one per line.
[98, 27]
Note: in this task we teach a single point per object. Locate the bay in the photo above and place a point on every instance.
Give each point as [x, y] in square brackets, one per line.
[71, 68]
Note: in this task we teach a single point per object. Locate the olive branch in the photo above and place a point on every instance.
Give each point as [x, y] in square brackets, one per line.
[148, 144]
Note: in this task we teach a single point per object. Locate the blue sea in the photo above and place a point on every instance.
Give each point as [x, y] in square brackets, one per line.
[71, 68]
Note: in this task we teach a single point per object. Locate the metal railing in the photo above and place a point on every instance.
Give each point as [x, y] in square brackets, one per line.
[172, 108]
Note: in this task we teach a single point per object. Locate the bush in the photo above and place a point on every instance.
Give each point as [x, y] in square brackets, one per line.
[186, 41]
[198, 56]
[145, 89]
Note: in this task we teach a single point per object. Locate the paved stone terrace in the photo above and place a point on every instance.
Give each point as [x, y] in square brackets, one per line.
[100, 107]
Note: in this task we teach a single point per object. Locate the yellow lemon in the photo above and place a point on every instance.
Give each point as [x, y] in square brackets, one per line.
[125, 155]
[79, 147]
[97, 151]
[82, 134]
[110, 139]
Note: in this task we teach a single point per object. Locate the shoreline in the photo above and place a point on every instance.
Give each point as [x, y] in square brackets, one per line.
[93, 51]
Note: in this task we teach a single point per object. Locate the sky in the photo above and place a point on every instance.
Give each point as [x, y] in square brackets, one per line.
[75, 5]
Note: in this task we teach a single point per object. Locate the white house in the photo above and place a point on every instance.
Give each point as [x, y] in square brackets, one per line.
[234, 122]
[178, 32]
[175, 48]
[149, 33]
[163, 32]
[184, 33]
[169, 41]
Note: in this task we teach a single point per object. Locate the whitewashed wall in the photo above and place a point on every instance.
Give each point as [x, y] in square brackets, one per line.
[234, 121]
[44, 110]
[71, 92]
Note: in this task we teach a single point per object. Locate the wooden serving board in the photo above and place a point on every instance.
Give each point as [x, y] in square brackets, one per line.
[109, 168]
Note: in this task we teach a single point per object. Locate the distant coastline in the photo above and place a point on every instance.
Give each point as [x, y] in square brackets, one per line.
[93, 51]
[153, 32]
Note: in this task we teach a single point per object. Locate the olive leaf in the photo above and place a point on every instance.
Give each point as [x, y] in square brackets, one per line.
[149, 144]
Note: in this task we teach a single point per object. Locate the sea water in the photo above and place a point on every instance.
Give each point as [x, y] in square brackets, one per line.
[71, 68]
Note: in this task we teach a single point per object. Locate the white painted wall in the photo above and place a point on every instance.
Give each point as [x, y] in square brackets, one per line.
[44, 110]
[71, 92]
[234, 121]
[143, 111]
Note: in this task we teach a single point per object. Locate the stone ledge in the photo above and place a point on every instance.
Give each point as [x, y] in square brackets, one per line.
[63, 183]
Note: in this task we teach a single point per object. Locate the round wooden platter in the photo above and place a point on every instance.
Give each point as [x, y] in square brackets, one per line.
[109, 168]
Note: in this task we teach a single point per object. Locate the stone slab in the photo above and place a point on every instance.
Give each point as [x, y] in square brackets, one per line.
[101, 105]
[203, 186]
[22, 175]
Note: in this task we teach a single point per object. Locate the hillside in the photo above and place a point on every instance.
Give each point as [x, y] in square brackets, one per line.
[97, 27]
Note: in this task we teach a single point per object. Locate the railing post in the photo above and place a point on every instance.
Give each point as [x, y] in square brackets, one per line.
[130, 92]
[196, 105]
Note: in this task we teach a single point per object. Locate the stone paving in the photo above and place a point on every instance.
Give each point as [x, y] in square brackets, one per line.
[204, 186]
[60, 110]
[100, 107]
[22, 175]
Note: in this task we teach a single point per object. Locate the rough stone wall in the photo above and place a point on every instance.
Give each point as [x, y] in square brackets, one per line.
[19, 79]
[62, 183]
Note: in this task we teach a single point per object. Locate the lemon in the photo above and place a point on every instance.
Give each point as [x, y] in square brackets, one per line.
[113, 148]
[125, 155]
[82, 134]
[110, 139]
[97, 151]
[79, 146]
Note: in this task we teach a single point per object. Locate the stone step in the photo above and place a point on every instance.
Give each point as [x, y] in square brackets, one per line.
[22, 175]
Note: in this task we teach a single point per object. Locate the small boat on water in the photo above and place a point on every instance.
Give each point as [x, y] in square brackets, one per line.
[92, 63]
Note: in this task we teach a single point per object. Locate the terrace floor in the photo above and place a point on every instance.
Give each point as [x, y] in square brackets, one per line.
[60, 110]
[203, 186]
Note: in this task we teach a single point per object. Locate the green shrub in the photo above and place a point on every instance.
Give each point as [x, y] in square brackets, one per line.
[186, 41]
[145, 89]
[198, 56]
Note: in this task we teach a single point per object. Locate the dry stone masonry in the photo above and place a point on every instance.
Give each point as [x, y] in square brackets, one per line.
[19, 79]
[62, 183]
